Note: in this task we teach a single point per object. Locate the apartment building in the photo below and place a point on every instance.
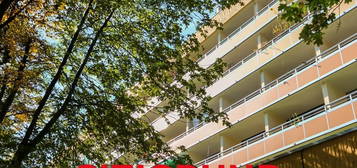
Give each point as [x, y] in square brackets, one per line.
[290, 104]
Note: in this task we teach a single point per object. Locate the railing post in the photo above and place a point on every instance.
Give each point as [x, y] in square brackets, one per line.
[317, 66]
[303, 126]
[247, 150]
[326, 117]
[353, 108]
[282, 134]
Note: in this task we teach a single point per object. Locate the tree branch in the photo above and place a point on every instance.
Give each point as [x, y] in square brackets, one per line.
[9, 100]
[28, 146]
[63, 108]
[11, 18]
[24, 147]
[5, 60]
[4, 6]
[57, 76]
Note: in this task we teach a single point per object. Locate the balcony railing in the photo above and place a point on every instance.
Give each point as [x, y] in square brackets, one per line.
[260, 12]
[279, 80]
[235, 66]
[292, 28]
[292, 72]
[267, 45]
[280, 128]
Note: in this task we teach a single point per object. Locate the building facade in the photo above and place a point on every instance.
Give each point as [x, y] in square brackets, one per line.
[290, 104]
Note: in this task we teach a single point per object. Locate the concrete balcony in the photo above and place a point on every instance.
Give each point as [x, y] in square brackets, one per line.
[287, 42]
[273, 49]
[254, 61]
[248, 65]
[231, 19]
[318, 68]
[247, 29]
[336, 116]
[230, 27]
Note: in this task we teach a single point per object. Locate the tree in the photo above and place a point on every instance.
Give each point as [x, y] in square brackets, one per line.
[75, 73]
[102, 66]
[322, 11]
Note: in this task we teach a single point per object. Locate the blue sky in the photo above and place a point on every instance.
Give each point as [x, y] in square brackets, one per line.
[192, 27]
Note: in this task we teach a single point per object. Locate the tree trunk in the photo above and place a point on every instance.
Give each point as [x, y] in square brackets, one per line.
[63, 108]
[57, 76]
[22, 152]
[27, 147]
[3, 81]
[5, 106]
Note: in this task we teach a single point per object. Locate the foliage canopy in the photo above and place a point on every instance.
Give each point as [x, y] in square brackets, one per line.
[75, 75]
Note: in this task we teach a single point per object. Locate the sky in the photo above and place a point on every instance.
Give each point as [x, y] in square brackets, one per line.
[192, 27]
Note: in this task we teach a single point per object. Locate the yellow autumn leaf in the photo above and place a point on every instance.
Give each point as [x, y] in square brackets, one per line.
[34, 50]
[22, 117]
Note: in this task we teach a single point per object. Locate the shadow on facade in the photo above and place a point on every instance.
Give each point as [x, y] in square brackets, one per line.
[340, 152]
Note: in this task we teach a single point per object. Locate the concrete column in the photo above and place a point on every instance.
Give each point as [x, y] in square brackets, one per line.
[265, 78]
[221, 104]
[219, 36]
[256, 8]
[208, 150]
[330, 93]
[317, 50]
[221, 143]
[260, 41]
[187, 124]
[266, 122]
[225, 142]
[271, 121]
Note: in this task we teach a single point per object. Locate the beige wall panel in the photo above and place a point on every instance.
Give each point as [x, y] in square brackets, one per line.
[273, 143]
[249, 66]
[232, 77]
[213, 165]
[307, 76]
[283, 43]
[236, 114]
[287, 86]
[256, 150]
[294, 36]
[341, 115]
[240, 156]
[329, 64]
[252, 105]
[355, 109]
[223, 17]
[293, 135]
[349, 53]
[267, 55]
[269, 96]
[227, 161]
[267, 15]
[344, 7]
[315, 126]
[198, 135]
